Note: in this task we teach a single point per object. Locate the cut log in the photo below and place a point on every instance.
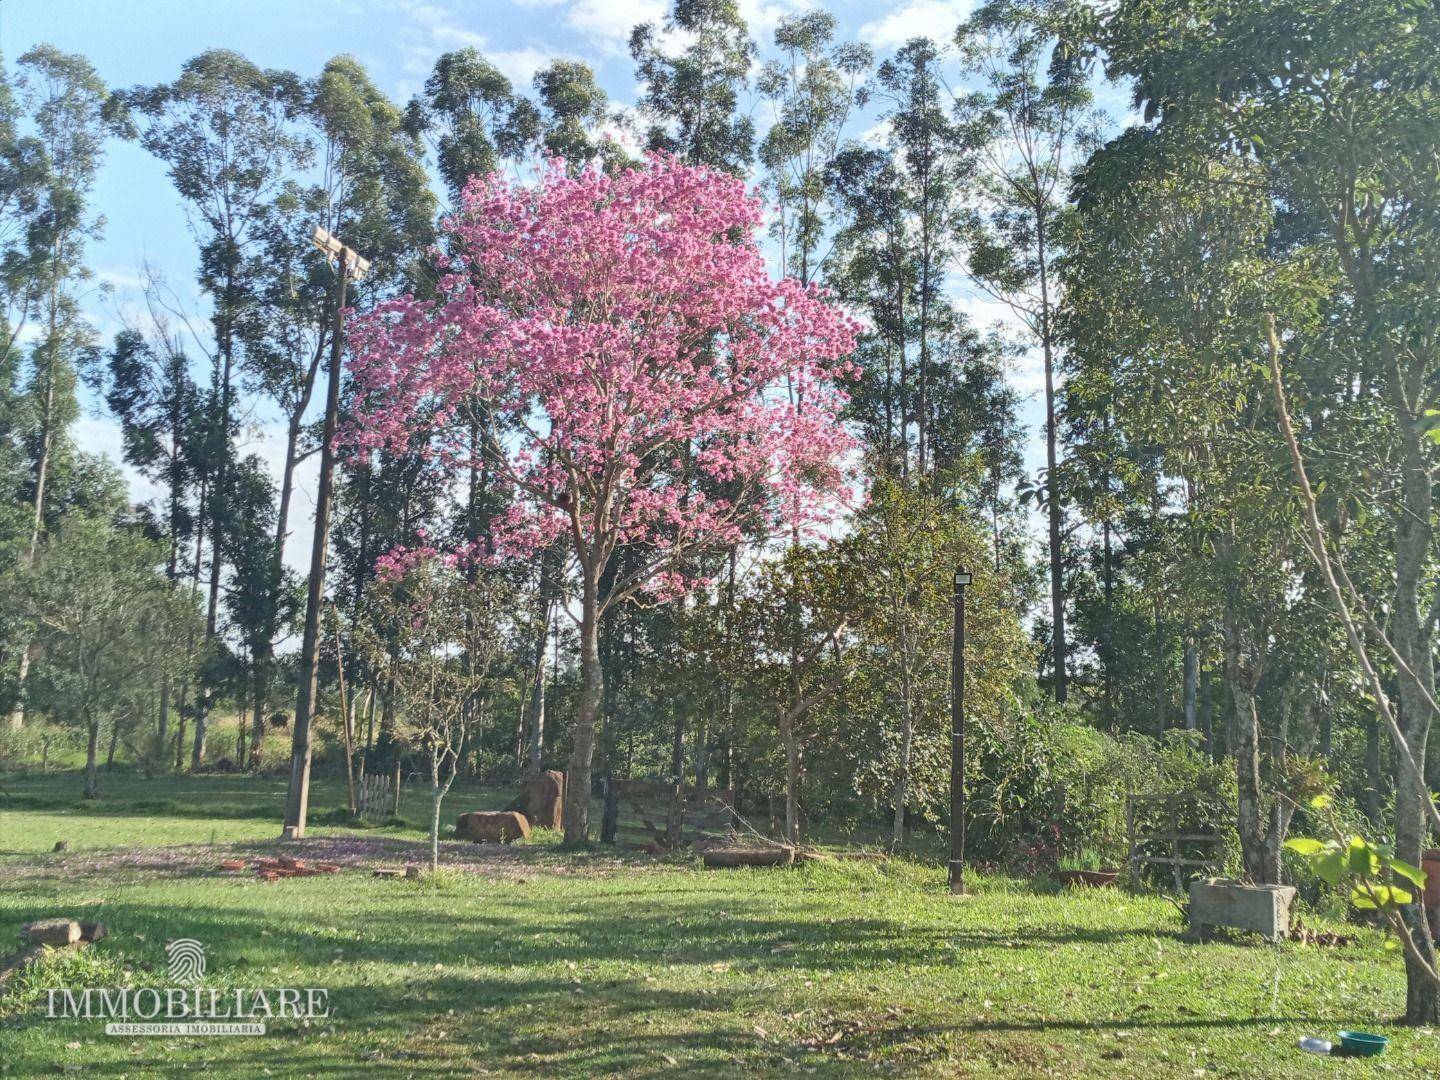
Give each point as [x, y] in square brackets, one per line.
[52, 932]
[726, 858]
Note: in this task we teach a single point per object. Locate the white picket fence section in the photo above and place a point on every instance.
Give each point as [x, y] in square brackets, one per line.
[376, 797]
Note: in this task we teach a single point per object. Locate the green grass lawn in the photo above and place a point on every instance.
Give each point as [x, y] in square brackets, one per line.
[536, 962]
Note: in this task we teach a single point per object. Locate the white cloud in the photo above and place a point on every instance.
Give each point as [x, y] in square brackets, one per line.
[936, 19]
[608, 23]
[520, 65]
[762, 16]
[435, 28]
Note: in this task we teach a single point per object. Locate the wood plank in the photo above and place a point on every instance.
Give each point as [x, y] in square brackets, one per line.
[1209, 838]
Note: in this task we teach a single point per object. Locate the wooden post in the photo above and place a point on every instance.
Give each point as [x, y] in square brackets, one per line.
[396, 810]
[348, 721]
[297, 802]
[1130, 833]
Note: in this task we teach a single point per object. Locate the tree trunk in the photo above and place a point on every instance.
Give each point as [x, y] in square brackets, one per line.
[259, 696]
[1373, 771]
[202, 729]
[902, 778]
[1411, 637]
[792, 777]
[1207, 714]
[592, 686]
[535, 708]
[42, 462]
[702, 751]
[1192, 666]
[164, 719]
[677, 743]
[114, 743]
[437, 795]
[92, 755]
[1261, 833]
[1059, 646]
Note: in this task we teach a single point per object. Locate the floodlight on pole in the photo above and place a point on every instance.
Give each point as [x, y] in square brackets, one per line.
[348, 266]
[355, 266]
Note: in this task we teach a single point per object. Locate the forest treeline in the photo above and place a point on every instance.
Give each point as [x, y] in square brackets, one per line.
[1264, 217]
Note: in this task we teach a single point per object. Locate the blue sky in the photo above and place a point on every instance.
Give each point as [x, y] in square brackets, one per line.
[145, 41]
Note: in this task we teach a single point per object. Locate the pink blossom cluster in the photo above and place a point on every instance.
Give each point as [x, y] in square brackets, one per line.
[401, 559]
[651, 383]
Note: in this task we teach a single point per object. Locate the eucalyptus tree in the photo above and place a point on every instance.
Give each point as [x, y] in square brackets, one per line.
[224, 129]
[1334, 104]
[873, 271]
[1169, 280]
[692, 95]
[149, 388]
[24, 178]
[931, 167]
[573, 116]
[366, 183]
[64, 100]
[472, 118]
[813, 89]
[1029, 122]
[256, 603]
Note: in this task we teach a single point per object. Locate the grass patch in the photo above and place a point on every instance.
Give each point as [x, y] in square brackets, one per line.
[589, 964]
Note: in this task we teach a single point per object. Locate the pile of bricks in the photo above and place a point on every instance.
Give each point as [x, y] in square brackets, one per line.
[267, 869]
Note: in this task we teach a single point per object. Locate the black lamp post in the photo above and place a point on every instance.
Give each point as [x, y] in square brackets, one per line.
[957, 738]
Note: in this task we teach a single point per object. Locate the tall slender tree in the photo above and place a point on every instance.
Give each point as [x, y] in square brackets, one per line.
[149, 389]
[1029, 124]
[65, 100]
[225, 131]
[691, 96]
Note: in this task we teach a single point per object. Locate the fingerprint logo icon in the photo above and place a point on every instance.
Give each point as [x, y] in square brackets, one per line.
[187, 960]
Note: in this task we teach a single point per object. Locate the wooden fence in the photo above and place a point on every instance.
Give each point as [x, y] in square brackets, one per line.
[645, 814]
[376, 797]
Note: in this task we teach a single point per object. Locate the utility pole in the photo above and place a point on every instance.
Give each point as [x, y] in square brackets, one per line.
[297, 803]
[957, 738]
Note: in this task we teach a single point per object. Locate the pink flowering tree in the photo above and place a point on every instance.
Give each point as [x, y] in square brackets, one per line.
[654, 388]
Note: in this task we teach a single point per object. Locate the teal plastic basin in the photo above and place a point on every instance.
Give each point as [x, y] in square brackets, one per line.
[1362, 1043]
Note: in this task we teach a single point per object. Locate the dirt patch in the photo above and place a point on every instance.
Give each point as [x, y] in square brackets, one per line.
[366, 853]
